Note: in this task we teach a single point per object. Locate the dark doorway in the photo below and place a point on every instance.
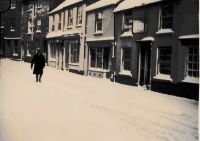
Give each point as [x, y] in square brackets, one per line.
[145, 64]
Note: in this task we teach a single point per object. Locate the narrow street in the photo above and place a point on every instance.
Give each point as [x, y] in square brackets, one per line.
[70, 107]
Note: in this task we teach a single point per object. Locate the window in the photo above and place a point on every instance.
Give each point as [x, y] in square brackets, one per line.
[15, 50]
[127, 22]
[138, 26]
[30, 6]
[12, 24]
[74, 51]
[53, 25]
[126, 59]
[192, 61]
[39, 25]
[98, 21]
[99, 57]
[59, 23]
[164, 60]
[166, 19]
[79, 15]
[70, 18]
[30, 26]
[53, 50]
[13, 4]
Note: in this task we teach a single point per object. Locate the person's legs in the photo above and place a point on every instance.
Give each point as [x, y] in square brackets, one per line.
[40, 77]
[36, 77]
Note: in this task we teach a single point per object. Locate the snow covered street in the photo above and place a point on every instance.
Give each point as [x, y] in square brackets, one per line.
[72, 107]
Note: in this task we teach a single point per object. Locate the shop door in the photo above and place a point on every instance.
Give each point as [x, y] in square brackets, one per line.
[145, 62]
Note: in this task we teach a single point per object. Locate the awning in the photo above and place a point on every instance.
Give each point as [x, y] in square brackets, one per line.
[193, 36]
[100, 39]
[128, 4]
[54, 34]
[147, 39]
[101, 4]
[12, 38]
[71, 33]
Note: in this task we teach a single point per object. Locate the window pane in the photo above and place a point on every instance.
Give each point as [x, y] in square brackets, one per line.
[126, 59]
[165, 60]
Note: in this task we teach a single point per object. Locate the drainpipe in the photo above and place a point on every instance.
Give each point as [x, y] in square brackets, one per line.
[114, 54]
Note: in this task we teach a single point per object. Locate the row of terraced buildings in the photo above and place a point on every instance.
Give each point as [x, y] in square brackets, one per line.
[152, 44]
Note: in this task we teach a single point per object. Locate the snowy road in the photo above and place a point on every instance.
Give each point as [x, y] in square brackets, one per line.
[70, 107]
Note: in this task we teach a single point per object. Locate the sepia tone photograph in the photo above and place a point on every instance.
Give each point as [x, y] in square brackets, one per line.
[99, 70]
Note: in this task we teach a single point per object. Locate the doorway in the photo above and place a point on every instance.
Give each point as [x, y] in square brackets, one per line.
[145, 65]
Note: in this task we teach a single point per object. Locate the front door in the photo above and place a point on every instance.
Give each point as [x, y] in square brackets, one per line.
[144, 66]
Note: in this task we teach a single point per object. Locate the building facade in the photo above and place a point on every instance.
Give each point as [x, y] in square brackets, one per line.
[66, 37]
[11, 31]
[35, 26]
[100, 38]
[157, 45]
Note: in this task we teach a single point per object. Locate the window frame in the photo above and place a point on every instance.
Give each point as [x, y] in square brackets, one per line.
[59, 22]
[70, 18]
[79, 16]
[12, 24]
[170, 5]
[161, 63]
[15, 47]
[13, 4]
[186, 75]
[74, 51]
[30, 26]
[127, 27]
[98, 21]
[125, 59]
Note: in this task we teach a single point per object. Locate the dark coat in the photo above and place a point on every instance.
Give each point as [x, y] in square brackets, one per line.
[39, 63]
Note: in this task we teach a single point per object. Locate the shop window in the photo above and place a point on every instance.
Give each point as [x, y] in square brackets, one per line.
[192, 61]
[127, 22]
[74, 51]
[98, 22]
[99, 57]
[79, 15]
[126, 59]
[164, 60]
[70, 18]
[166, 15]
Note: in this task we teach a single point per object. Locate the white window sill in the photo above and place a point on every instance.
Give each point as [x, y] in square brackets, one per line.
[165, 31]
[79, 25]
[191, 80]
[29, 33]
[28, 55]
[52, 60]
[69, 27]
[74, 64]
[12, 30]
[2, 27]
[124, 72]
[98, 33]
[163, 77]
[12, 7]
[15, 54]
[29, 10]
[39, 7]
[38, 31]
[98, 69]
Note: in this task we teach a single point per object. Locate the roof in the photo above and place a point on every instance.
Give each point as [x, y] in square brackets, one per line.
[101, 4]
[193, 36]
[65, 4]
[128, 4]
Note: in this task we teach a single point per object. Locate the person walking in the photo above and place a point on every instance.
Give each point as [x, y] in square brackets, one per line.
[38, 61]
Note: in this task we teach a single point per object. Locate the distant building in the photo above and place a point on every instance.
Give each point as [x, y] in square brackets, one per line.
[157, 45]
[35, 25]
[66, 36]
[11, 31]
[100, 38]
